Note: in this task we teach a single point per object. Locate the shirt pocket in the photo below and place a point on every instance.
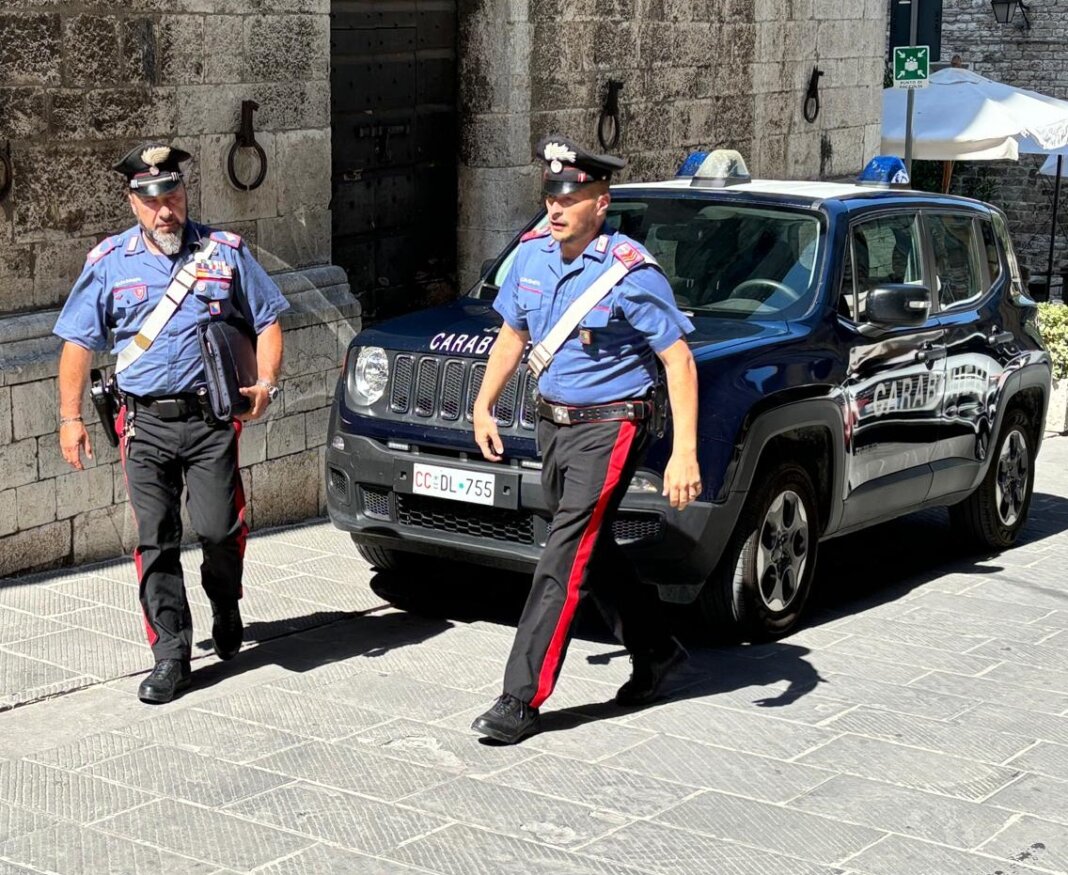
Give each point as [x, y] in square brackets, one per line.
[127, 297]
[598, 317]
[214, 294]
[528, 299]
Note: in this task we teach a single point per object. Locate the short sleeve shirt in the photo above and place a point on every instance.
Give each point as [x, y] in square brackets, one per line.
[122, 282]
[612, 355]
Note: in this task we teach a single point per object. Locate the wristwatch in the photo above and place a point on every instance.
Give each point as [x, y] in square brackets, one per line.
[273, 391]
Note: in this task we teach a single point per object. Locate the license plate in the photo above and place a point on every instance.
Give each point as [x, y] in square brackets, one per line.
[453, 483]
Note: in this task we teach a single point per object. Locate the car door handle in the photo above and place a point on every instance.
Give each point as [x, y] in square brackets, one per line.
[997, 338]
[931, 354]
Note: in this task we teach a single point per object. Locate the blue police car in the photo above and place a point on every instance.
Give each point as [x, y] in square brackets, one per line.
[863, 351]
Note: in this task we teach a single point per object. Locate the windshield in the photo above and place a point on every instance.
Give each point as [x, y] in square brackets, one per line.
[722, 259]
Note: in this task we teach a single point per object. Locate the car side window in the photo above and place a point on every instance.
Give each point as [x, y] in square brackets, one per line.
[990, 249]
[885, 250]
[847, 297]
[957, 272]
[1001, 231]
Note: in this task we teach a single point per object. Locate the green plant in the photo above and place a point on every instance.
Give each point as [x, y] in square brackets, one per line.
[1053, 326]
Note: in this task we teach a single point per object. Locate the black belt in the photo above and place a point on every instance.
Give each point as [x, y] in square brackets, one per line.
[167, 406]
[629, 411]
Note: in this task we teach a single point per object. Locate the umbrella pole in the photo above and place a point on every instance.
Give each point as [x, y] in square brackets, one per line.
[947, 176]
[1053, 231]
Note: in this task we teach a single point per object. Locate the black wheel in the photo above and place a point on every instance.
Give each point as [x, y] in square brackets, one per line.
[384, 558]
[761, 584]
[994, 513]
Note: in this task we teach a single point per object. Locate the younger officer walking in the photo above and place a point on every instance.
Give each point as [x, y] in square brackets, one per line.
[593, 429]
[165, 439]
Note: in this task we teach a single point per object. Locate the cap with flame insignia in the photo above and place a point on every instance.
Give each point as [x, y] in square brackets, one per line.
[568, 166]
[152, 169]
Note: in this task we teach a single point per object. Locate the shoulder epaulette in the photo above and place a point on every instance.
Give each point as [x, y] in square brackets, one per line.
[101, 249]
[628, 255]
[534, 234]
[226, 238]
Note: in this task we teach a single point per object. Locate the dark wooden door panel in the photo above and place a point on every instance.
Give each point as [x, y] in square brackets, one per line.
[393, 111]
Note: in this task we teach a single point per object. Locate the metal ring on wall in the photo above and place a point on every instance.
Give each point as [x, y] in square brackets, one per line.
[230, 169]
[7, 173]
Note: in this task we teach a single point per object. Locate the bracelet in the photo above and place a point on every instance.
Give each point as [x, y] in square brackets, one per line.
[67, 420]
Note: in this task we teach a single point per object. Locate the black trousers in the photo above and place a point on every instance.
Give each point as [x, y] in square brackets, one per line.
[159, 459]
[586, 471]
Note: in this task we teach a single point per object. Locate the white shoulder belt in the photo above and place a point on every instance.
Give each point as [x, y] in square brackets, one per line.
[170, 302]
[542, 354]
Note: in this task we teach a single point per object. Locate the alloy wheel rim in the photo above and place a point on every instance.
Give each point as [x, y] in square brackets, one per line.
[782, 551]
[1010, 489]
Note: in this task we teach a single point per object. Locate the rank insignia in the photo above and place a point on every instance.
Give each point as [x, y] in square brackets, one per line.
[215, 308]
[627, 254]
[586, 336]
[602, 243]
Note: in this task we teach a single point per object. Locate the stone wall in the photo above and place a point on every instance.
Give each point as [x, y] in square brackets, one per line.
[81, 81]
[1036, 59]
[695, 73]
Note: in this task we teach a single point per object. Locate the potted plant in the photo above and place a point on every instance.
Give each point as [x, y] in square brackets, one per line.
[1053, 326]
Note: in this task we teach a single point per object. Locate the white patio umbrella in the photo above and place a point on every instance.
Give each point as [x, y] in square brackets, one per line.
[962, 116]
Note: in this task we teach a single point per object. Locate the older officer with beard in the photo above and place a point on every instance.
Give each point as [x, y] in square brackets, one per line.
[166, 442]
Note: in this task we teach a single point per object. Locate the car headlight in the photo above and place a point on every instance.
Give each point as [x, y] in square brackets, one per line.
[369, 376]
[641, 483]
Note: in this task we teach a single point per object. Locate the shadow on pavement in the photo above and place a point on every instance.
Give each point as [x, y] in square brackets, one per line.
[367, 634]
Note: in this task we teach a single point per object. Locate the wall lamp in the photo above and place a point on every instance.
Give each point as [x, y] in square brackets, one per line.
[1005, 12]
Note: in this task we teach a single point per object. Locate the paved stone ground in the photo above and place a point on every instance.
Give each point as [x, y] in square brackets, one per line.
[918, 725]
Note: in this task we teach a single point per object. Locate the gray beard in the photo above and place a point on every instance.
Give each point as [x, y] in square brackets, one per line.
[169, 244]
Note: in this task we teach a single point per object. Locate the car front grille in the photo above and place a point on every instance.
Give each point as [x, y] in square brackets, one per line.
[444, 515]
[436, 388]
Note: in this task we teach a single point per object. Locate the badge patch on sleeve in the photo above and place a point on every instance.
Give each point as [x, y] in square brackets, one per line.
[630, 256]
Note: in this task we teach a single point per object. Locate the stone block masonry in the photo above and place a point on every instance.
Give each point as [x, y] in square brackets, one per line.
[80, 83]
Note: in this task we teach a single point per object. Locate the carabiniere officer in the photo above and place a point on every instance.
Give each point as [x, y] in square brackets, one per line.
[594, 428]
[167, 440]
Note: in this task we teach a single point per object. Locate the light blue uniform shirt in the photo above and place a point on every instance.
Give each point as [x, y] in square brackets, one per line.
[636, 320]
[122, 282]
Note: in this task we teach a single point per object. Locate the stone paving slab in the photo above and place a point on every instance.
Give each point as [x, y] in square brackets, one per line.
[181, 774]
[216, 836]
[1034, 842]
[943, 819]
[895, 855]
[69, 848]
[463, 850]
[780, 828]
[910, 767]
[335, 816]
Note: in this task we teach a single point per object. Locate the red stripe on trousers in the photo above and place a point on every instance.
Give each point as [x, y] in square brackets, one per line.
[616, 461]
[239, 498]
[120, 423]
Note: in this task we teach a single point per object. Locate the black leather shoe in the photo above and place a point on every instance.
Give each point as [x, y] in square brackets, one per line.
[509, 720]
[649, 673]
[227, 633]
[169, 677]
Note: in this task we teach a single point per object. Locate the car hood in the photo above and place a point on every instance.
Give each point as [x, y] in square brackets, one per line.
[467, 328]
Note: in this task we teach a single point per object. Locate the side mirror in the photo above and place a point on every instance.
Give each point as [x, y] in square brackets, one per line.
[900, 304]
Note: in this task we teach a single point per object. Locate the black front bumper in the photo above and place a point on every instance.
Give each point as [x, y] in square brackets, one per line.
[369, 495]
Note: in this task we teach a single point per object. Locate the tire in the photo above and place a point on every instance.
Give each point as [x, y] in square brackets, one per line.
[384, 558]
[759, 589]
[993, 515]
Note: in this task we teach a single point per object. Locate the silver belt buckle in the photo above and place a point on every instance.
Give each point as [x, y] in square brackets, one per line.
[561, 416]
